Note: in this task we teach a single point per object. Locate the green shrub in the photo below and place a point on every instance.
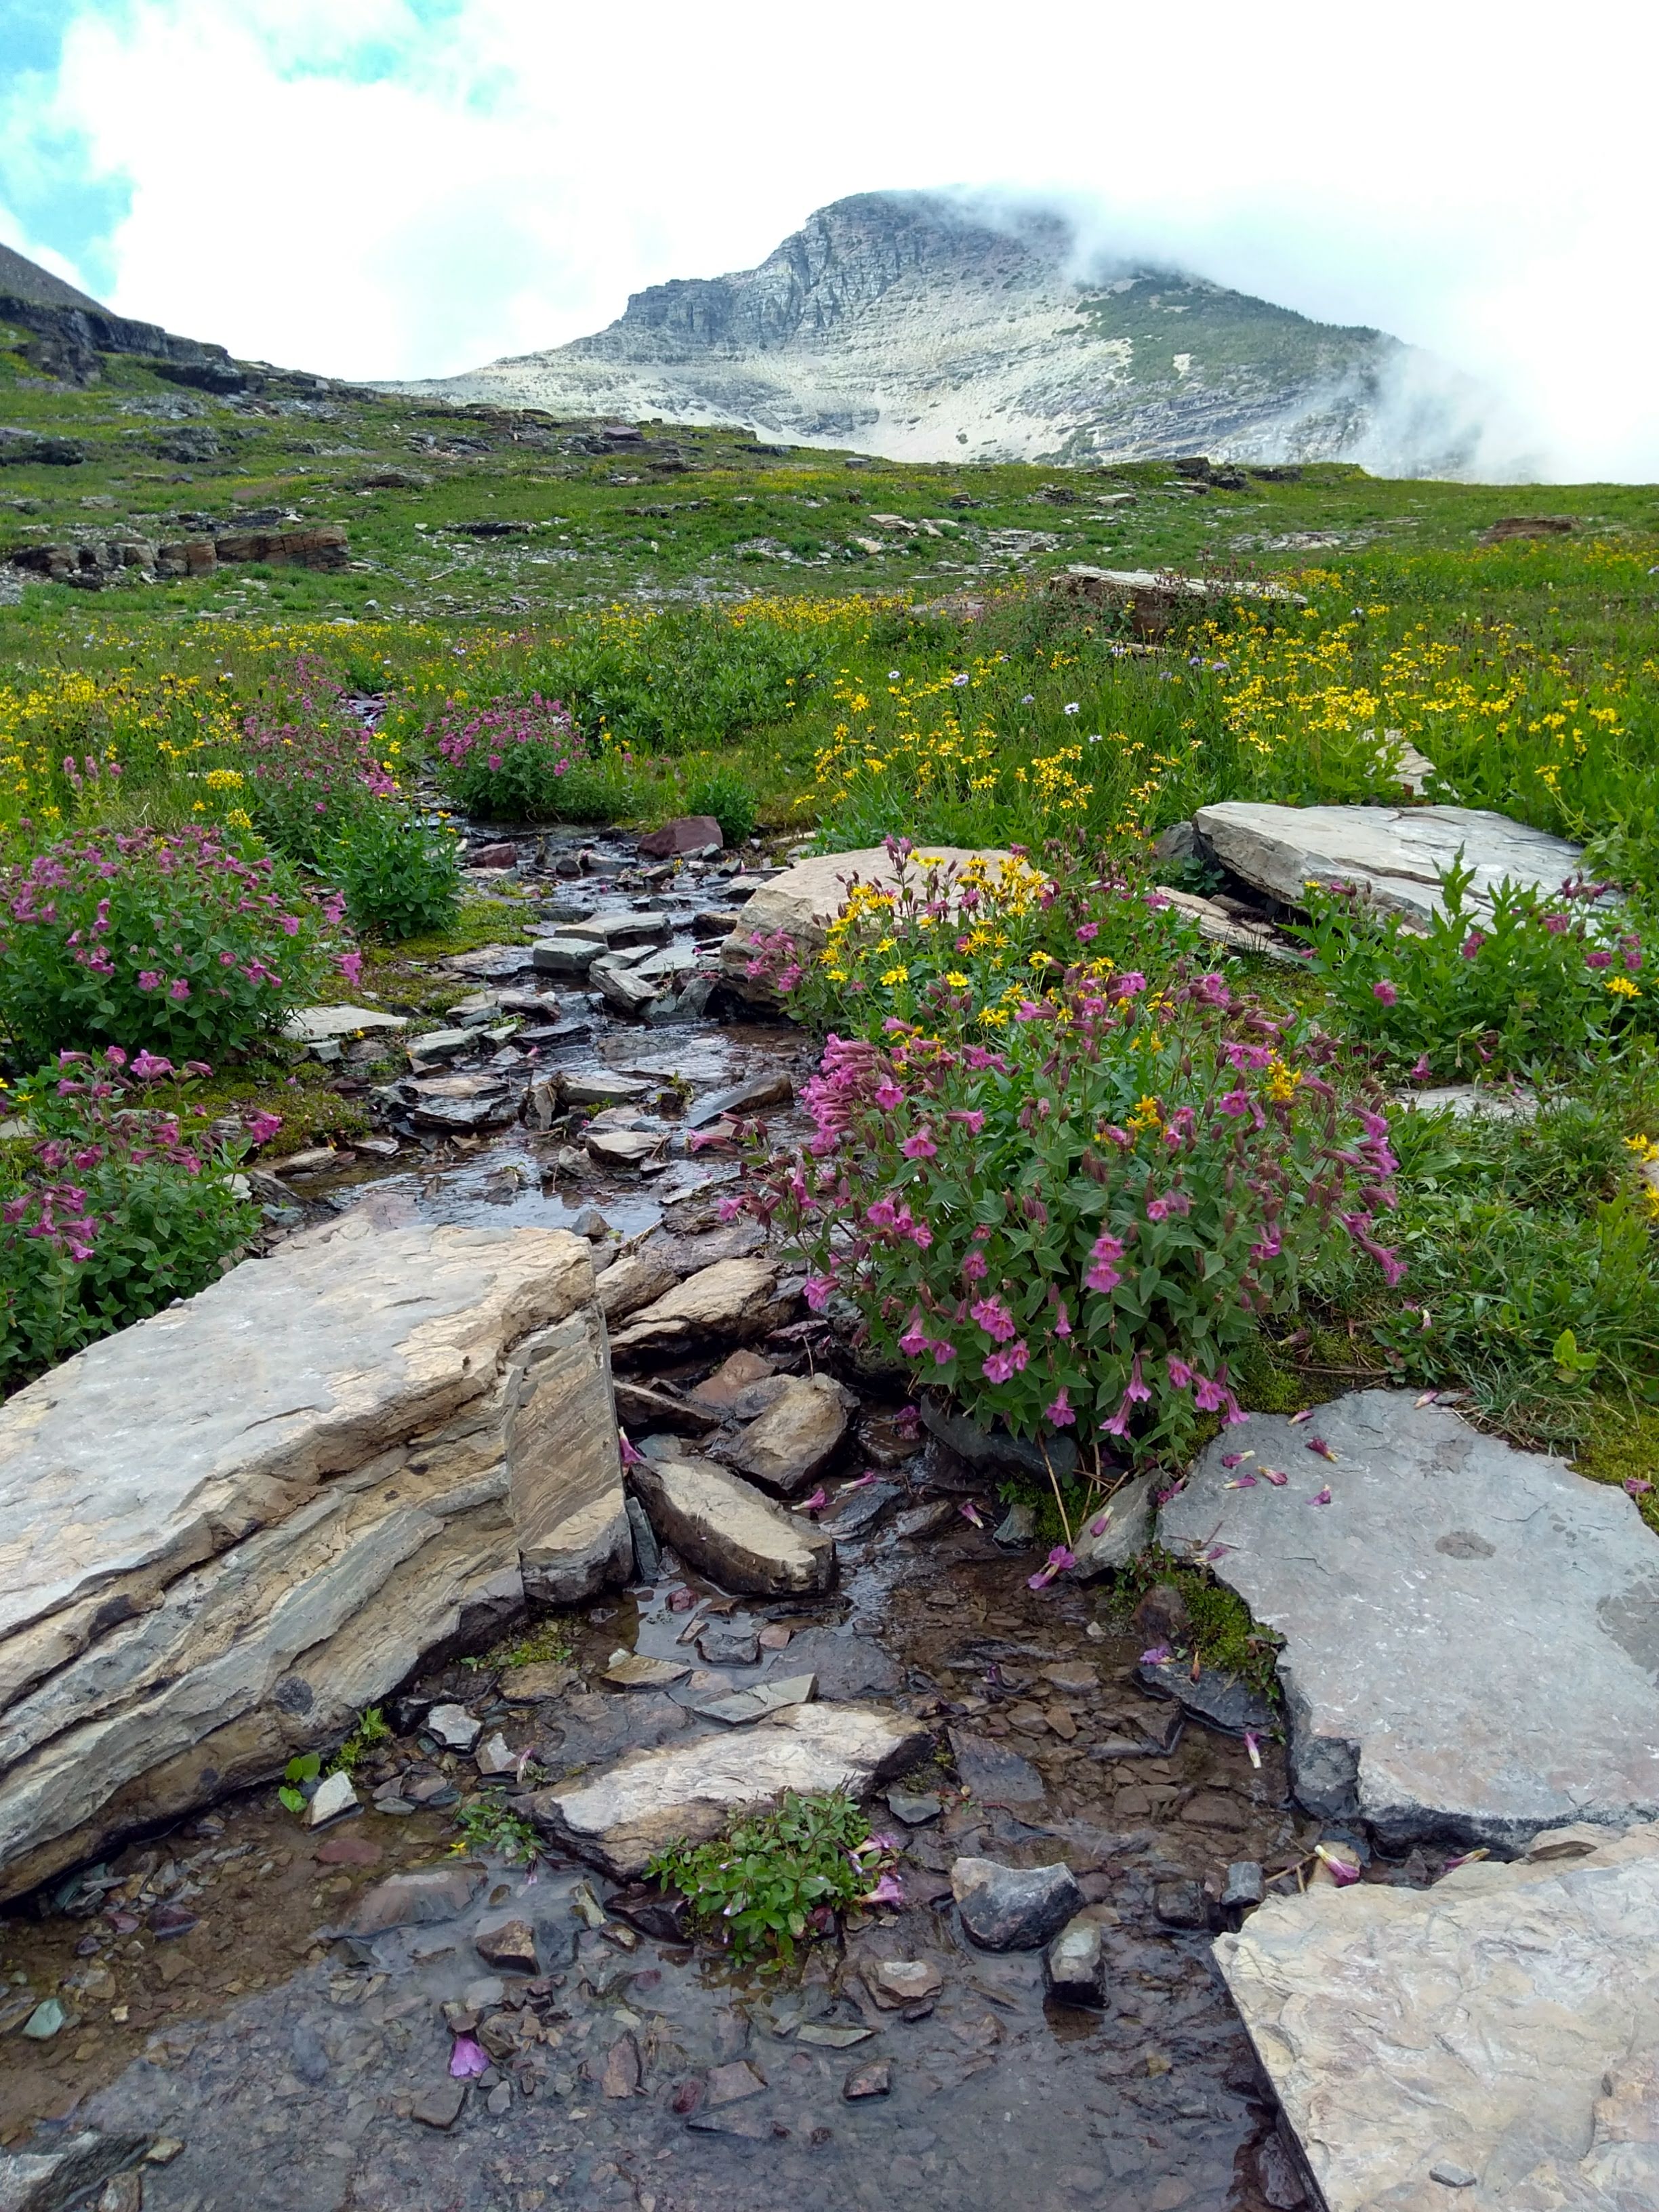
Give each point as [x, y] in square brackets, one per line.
[1531, 982]
[774, 1876]
[401, 876]
[109, 1208]
[508, 760]
[726, 795]
[173, 943]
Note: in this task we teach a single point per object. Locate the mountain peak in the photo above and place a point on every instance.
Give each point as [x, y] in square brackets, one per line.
[26, 280]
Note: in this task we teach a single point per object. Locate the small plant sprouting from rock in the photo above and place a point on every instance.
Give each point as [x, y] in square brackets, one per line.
[549, 1642]
[306, 1767]
[373, 1727]
[777, 1878]
[488, 1824]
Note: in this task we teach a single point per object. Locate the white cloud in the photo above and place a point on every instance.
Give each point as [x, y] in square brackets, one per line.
[368, 187]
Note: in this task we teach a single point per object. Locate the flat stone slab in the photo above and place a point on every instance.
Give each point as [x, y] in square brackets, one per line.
[728, 1531]
[1395, 854]
[1472, 1632]
[1502, 2026]
[729, 1299]
[226, 1531]
[687, 1791]
[317, 1025]
[774, 1695]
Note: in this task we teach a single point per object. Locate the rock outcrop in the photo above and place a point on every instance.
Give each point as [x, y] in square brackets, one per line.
[1471, 1632]
[226, 1530]
[728, 1531]
[1397, 855]
[1492, 2041]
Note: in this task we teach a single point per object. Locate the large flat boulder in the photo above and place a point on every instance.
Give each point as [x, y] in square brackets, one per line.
[687, 1791]
[805, 899]
[723, 1304]
[225, 1531]
[1501, 2028]
[727, 1530]
[1471, 1632]
[1395, 854]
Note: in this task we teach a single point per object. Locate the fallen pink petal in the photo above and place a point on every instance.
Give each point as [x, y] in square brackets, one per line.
[1318, 1445]
[468, 2059]
[1342, 1871]
[1635, 1486]
[816, 1503]
[1159, 1656]
[969, 1511]
[1241, 1482]
[1253, 1746]
[1276, 1475]
[890, 1890]
[629, 1456]
[1322, 1497]
[1057, 1562]
[1428, 1398]
[1306, 1414]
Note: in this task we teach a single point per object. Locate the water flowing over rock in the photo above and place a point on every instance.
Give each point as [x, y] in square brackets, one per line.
[225, 1531]
[1492, 2041]
[687, 1791]
[1395, 854]
[1472, 1632]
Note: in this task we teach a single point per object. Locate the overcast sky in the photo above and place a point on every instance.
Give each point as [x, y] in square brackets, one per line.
[409, 187]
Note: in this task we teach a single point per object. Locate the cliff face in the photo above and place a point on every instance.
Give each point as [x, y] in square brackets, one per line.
[67, 331]
[899, 323]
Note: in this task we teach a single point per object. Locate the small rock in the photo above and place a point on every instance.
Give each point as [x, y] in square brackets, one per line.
[912, 1808]
[1181, 1904]
[833, 2038]
[647, 1553]
[725, 2085]
[723, 1645]
[499, 2102]
[307, 2056]
[495, 1758]
[347, 1851]
[440, 2107]
[638, 1671]
[1119, 1532]
[453, 1726]
[732, 1378]
[417, 1900]
[1017, 1530]
[795, 1437]
[724, 1528]
[1075, 1678]
[622, 2071]
[335, 1797]
[1451, 2175]
[538, 1684]
[875, 2080]
[993, 1775]
[775, 1637]
[1074, 1964]
[1161, 1617]
[1275, 2172]
[686, 833]
[906, 1981]
[1246, 1887]
[1013, 1908]
[122, 2192]
[511, 1945]
[769, 1696]
[859, 1507]
[46, 2021]
[1221, 1701]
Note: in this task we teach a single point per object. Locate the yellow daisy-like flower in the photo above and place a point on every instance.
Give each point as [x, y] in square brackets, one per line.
[957, 980]
[1645, 1148]
[892, 976]
[1148, 1114]
[1622, 987]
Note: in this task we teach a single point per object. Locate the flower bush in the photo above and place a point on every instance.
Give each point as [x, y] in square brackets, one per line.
[310, 768]
[1527, 982]
[508, 760]
[400, 876]
[176, 943]
[963, 948]
[110, 1207]
[1080, 1232]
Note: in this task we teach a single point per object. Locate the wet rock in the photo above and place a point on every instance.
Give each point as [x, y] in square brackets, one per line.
[541, 1683]
[495, 1757]
[992, 1774]
[441, 2105]
[857, 1509]
[1007, 1908]
[875, 2080]
[307, 2056]
[827, 2038]
[419, 1899]
[421, 1414]
[774, 1695]
[1414, 1608]
[659, 1913]
[639, 1672]
[601, 1086]
[1543, 1974]
[687, 1791]
[732, 1298]
[905, 1981]
[617, 930]
[729, 1532]
[47, 2019]
[1245, 1887]
[335, 1796]
[1074, 1964]
[647, 1557]
[1161, 1618]
[803, 901]
[795, 1439]
[625, 1148]
[771, 1087]
[499, 2102]
[1119, 1532]
[442, 1044]
[564, 955]
[1017, 1530]
[453, 1726]
[722, 1644]
[686, 833]
[638, 1278]
[347, 1851]
[1395, 855]
[1181, 1904]
[1277, 2176]
[926, 1520]
[730, 2084]
[730, 1379]
[640, 1407]
[988, 1450]
[122, 2192]
[914, 1808]
[510, 1945]
[1451, 2174]
[622, 2074]
[1220, 1701]
[50, 2180]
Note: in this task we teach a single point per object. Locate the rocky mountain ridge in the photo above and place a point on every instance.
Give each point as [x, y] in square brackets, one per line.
[908, 325]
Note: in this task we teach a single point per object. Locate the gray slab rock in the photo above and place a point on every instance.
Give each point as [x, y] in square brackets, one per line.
[1395, 854]
[723, 1304]
[1074, 1964]
[566, 955]
[803, 901]
[1504, 2023]
[419, 1899]
[317, 1025]
[1007, 1908]
[687, 1791]
[728, 1531]
[791, 1444]
[225, 1531]
[774, 1695]
[1472, 1632]
[49, 2180]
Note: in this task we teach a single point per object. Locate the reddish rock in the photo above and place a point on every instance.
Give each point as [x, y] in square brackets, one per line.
[347, 1851]
[687, 833]
[502, 855]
